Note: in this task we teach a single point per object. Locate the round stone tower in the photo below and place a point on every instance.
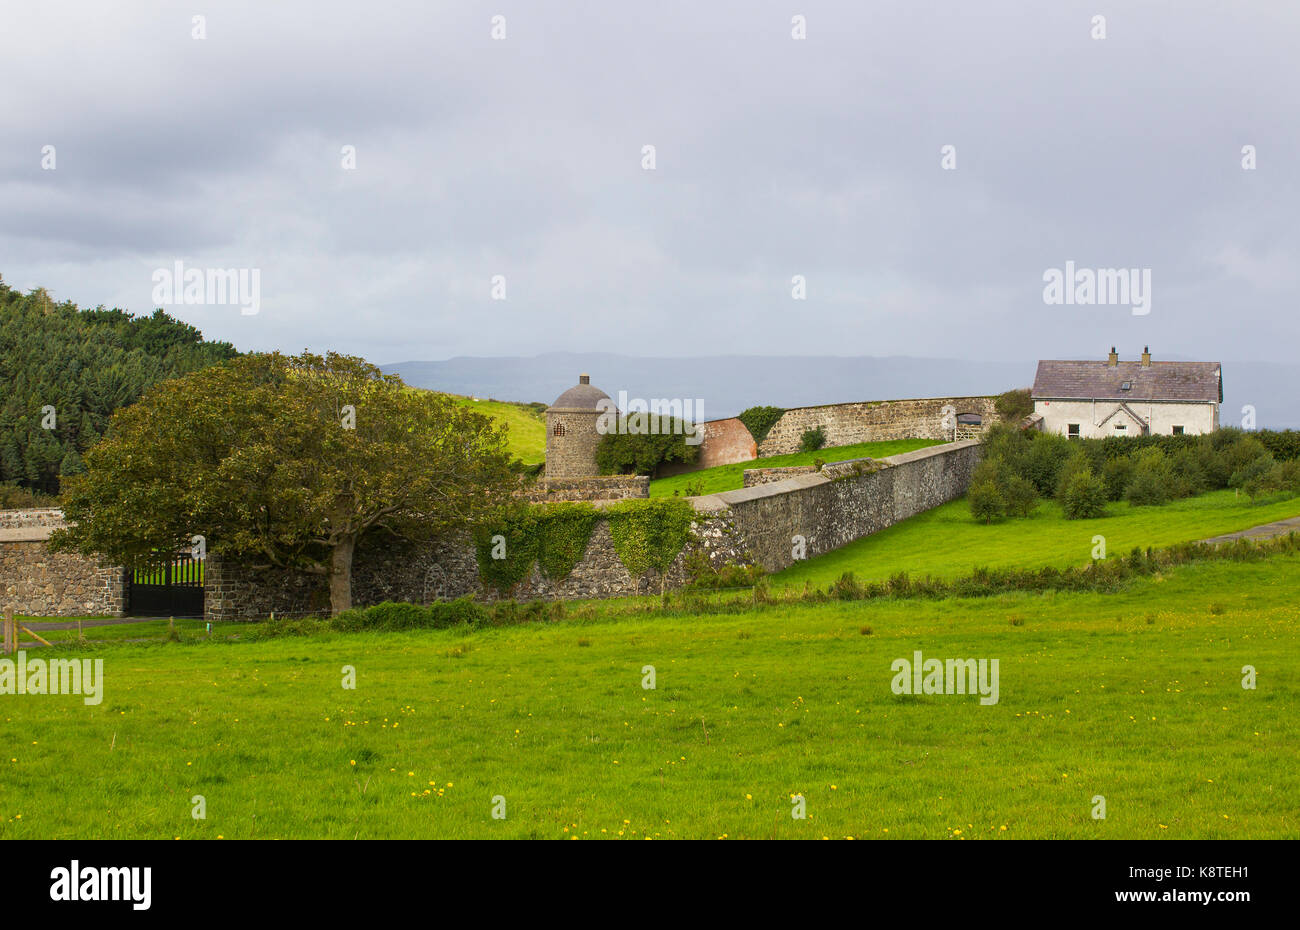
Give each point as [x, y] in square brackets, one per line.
[571, 434]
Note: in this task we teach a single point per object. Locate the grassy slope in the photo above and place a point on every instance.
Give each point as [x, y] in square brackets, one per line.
[731, 477]
[1134, 696]
[946, 542]
[527, 427]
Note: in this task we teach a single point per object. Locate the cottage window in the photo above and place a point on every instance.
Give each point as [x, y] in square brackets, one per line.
[1073, 430]
[1178, 431]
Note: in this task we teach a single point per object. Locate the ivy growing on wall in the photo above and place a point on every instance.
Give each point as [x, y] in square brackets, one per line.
[760, 420]
[506, 548]
[552, 536]
[565, 530]
[649, 533]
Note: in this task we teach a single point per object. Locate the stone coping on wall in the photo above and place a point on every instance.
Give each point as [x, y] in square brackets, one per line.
[896, 400]
[34, 524]
[721, 500]
[32, 516]
[26, 533]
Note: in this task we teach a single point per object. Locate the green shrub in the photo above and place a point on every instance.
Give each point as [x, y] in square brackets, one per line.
[703, 575]
[644, 441]
[398, 615]
[1084, 496]
[1014, 406]
[463, 611]
[1147, 489]
[1252, 477]
[352, 620]
[1043, 461]
[1244, 450]
[1020, 495]
[846, 588]
[1189, 476]
[294, 626]
[1213, 465]
[1283, 445]
[812, 439]
[987, 504]
[13, 497]
[1077, 463]
[1006, 442]
[1116, 475]
[1285, 476]
[760, 420]
[511, 613]
[1153, 480]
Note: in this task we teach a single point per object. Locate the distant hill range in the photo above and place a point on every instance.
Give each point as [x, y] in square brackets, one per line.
[730, 383]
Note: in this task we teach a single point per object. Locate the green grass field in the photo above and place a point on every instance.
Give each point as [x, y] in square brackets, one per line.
[946, 542]
[527, 426]
[731, 477]
[1134, 696]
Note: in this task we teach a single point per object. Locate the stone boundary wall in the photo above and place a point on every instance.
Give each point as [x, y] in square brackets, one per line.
[601, 488]
[752, 477]
[841, 503]
[35, 582]
[844, 501]
[872, 421]
[829, 508]
[449, 569]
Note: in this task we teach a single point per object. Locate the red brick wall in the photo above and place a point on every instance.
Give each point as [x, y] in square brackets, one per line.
[725, 443]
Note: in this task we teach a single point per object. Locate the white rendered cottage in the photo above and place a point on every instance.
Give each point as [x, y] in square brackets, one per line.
[1094, 399]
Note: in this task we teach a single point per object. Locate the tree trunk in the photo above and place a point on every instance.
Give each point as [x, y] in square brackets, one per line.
[341, 576]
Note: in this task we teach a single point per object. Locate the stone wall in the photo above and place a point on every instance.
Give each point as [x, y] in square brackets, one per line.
[752, 477]
[35, 582]
[448, 569]
[844, 501]
[829, 508]
[598, 488]
[872, 421]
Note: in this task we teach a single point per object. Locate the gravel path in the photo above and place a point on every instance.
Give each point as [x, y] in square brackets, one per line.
[1264, 531]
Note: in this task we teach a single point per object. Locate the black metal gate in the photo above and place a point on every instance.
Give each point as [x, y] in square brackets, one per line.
[168, 589]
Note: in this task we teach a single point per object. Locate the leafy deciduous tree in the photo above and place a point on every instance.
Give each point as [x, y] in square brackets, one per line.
[284, 462]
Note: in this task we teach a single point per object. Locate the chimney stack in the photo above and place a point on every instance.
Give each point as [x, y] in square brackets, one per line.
[584, 379]
[1113, 359]
[1146, 356]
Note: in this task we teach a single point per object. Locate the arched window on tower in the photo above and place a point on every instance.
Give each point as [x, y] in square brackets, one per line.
[559, 429]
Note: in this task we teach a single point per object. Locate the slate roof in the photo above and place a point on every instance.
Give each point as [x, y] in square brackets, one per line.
[580, 397]
[1190, 382]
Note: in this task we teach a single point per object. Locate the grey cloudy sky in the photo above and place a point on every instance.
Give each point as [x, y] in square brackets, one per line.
[775, 157]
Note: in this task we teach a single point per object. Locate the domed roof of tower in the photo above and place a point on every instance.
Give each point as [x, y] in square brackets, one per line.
[582, 396]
